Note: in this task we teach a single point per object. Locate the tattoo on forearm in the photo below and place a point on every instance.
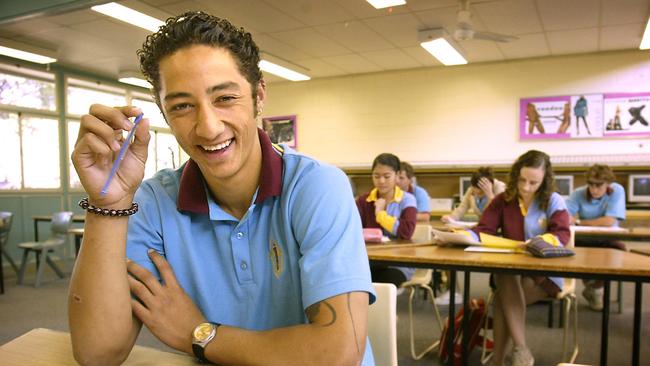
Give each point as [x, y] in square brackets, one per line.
[354, 328]
[314, 310]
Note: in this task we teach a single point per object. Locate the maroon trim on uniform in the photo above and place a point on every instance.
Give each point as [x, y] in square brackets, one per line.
[191, 192]
[367, 212]
[503, 215]
[407, 219]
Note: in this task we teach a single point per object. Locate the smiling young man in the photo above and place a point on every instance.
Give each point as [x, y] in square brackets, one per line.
[248, 254]
[599, 203]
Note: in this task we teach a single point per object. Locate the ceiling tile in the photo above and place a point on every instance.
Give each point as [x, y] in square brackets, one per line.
[75, 17]
[271, 45]
[319, 68]
[573, 41]
[417, 5]
[251, 14]
[352, 63]
[400, 30]
[621, 37]
[311, 42]
[512, 17]
[391, 59]
[362, 9]
[420, 55]
[312, 12]
[355, 35]
[529, 45]
[129, 36]
[624, 12]
[438, 18]
[574, 14]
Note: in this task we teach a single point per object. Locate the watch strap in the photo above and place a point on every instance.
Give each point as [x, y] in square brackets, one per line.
[199, 352]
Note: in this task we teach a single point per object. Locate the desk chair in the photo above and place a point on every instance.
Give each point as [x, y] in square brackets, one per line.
[421, 279]
[5, 227]
[60, 224]
[569, 302]
[382, 325]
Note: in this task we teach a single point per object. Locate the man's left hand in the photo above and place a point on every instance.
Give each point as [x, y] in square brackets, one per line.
[164, 307]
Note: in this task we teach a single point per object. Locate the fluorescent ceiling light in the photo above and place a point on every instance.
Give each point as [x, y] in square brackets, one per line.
[380, 4]
[436, 42]
[28, 56]
[128, 15]
[282, 71]
[645, 42]
[135, 81]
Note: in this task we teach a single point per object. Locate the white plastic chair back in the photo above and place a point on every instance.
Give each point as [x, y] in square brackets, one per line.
[382, 325]
[422, 233]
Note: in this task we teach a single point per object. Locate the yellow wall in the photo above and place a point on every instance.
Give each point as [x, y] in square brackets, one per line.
[451, 114]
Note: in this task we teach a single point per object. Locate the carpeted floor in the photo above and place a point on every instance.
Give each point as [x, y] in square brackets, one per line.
[24, 307]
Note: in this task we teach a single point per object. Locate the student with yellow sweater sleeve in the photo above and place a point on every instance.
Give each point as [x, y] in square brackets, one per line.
[389, 208]
[528, 210]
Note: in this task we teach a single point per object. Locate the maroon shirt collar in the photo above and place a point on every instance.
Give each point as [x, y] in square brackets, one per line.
[192, 193]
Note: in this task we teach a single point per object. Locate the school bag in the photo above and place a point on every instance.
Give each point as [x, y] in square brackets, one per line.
[479, 324]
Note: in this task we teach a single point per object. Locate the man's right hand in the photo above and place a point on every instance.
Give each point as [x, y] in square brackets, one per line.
[97, 146]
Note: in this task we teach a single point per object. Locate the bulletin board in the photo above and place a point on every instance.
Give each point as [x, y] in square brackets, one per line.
[585, 116]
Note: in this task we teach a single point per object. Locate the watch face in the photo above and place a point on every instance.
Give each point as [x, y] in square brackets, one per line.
[203, 331]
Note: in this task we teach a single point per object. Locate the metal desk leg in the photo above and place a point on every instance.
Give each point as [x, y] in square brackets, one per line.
[604, 330]
[463, 353]
[452, 315]
[35, 230]
[638, 302]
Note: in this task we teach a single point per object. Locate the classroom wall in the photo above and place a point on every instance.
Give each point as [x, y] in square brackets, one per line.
[444, 115]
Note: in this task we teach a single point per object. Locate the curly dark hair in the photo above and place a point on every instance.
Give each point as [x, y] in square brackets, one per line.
[199, 28]
[387, 159]
[482, 172]
[532, 159]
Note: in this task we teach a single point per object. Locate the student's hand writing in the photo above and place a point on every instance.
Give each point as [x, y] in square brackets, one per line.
[97, 146]
[380, 204]
[165, 308]
[486, 187]
[446, 219]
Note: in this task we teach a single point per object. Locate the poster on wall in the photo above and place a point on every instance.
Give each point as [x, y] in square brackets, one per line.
[627, 114]
[585, 116]
[281, 130]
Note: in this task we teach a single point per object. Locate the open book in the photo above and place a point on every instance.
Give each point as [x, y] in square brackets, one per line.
[604, 229]
[501, 245]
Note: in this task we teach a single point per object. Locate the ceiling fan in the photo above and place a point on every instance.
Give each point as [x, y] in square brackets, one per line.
[465, 31]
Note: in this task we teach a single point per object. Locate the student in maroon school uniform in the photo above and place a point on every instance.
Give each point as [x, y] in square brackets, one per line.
[390, 209]
[529, 210]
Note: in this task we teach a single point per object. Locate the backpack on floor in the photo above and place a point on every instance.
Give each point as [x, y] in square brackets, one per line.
[479, 323]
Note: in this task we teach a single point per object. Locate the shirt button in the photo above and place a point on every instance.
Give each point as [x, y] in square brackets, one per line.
[243, 265]
[240, 235]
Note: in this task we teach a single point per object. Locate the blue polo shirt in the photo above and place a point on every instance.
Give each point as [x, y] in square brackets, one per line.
[422, 199]
[611, 203]
[299, 243]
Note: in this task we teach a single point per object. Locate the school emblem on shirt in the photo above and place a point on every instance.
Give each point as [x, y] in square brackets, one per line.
[277, 258]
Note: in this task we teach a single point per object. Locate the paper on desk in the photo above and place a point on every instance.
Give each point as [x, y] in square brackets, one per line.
[385, 239]
[482, 249]
[611, 229]
[486, 240]
[460, 224]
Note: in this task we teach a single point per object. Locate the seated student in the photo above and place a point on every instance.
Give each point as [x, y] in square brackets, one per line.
[406, 181]
[529, 209]
[599, 203]
[479, 195]
[389, 208]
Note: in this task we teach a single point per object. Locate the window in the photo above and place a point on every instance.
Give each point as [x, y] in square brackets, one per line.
[26, 92]
[10, 171]
[82, 94]
[151, 111]
[73, 132]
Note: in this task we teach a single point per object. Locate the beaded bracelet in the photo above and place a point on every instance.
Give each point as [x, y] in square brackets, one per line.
[105, 211]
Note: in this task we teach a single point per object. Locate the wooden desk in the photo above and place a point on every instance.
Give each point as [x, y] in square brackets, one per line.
[597, 263]
[48, 218]
[632, 233]
[45, 347]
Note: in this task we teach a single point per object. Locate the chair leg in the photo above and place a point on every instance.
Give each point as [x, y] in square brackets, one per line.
[570, 302]
[23, 265]
[414, 354]
[42, 256]
[54, 266]
[10, 259]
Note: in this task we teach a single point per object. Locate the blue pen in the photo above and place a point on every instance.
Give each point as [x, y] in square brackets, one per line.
[120, 155]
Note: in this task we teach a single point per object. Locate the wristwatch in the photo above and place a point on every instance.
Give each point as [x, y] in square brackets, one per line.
[203, 334]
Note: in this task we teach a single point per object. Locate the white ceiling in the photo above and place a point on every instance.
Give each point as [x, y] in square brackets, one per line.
[342, 37]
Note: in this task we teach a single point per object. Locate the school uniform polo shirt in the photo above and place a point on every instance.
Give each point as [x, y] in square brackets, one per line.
[612, 203]
[300, 241]
[421, 198]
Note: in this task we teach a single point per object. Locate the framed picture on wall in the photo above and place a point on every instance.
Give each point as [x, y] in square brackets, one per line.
[281, 130]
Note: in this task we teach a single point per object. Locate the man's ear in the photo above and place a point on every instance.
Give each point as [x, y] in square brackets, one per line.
[261, 96]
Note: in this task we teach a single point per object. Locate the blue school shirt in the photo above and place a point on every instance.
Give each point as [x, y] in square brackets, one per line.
[611, 203]
[299, 243]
